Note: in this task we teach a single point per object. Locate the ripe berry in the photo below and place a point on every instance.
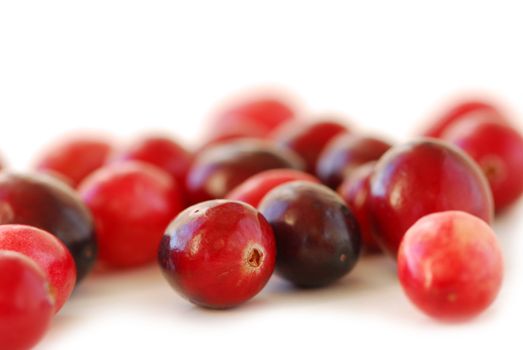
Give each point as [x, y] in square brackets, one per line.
[420, 178]
[317, 237]
[252, 190]
[218, 169]
[26, 304]
[218, 253]
[450, 265]
[49, 254]
[498, 149]
[73, 158]
[44, 202]
[132, 203]
[345, 153]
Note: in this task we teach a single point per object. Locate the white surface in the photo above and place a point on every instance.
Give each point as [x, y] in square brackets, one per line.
[128, 66]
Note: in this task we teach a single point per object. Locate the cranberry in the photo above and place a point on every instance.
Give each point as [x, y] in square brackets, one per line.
[44, 202]
[218, 253]
[253, 189]
[48, 252]
[346, 152]
[420, 178]
[218, 169]
[26, 304]
[73, 158]
[132, 203]
[307, 139]
[355, 192]
[498, 149]
[450, 265]
[317, 237]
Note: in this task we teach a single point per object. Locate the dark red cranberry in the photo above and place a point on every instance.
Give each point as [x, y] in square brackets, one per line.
[49, 254]
[498, 149]
[26, 304]
[346, 152]
[44, 202]
[252, 190]
[218, 253]
[73, 158]
[450, 265]
[307, 139]
[355, 191]
[317, 237]
[420, 178]
[218, 169]
[132, 203]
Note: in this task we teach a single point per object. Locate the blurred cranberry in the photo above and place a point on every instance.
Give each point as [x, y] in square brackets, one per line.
[74, 157]
[307, 139]
[345, 153]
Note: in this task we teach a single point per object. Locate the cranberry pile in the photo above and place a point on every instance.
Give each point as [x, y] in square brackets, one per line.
[267, 190]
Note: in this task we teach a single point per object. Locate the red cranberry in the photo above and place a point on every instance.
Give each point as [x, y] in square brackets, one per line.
[450, 265]
[253, 189]
[48, 252]
[26, 304]
[346, 152]
[218, 253]
[498, 149]
[74, 158]
[217, 170]
[307, 139]
[355, 192]
[317, 237]
[420, 178]
[44, 202]
[132, 203]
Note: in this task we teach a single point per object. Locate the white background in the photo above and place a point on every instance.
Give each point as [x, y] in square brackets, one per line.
[128, 66]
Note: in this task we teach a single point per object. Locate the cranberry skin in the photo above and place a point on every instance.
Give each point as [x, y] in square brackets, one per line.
[346, 152]
[44, 202]
[450, 265]
[317, 237]
[307, 139]
[26, 304]
[355, 191]
[132, 203]
[49, 254]
[498, 149]
[74, 158]
[423, 177]
[219, 169]
[218, 253]
[252, 190]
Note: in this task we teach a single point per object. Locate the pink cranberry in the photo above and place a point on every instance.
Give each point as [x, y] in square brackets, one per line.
[218, 253]
[345, 153]
[420, 178]
[252, 190]
[450, 265]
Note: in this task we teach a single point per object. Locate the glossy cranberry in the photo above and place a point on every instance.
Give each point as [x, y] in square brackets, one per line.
[346, 152]
[498, 149]
[217, 170]
[450, 265]
[73, 158]
[44, 202]
[468, 109]
[26, 304]
[355, 191]
[307, 139]
[49, 254]
[317, 237]
[132, 203]
[218, 253]
[420, 178]
[252, 190]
